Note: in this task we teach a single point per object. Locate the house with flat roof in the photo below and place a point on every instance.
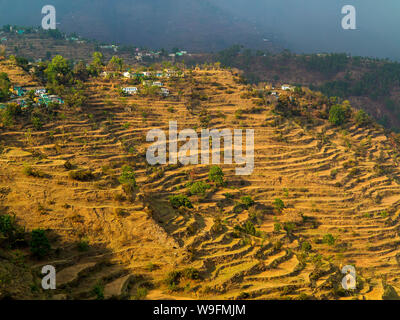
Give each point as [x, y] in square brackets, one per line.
[127, 75]
[130, 90]
[287, 87]
[164, 92]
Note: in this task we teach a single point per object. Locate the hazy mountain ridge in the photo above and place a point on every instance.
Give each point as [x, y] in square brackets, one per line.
[190, 24]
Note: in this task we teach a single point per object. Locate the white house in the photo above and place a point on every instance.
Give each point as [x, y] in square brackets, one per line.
[39, 92]
[146, 73]
[130, 90]
[157, 83]
[127, 75]
[286, 87]
[164, 92]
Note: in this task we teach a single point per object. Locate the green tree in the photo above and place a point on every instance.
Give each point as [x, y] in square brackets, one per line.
[75, 98]
[179, 201]
[97, 64]
[250, 228]
[80, 71]
[199, 187]
[289, 227]
[4, 86]
[337, 115]
[40, 245]
[9, 115]
[247, 201]
[115, 64]
[128, 177]
[216, 175]
[279, 205]
[58, 71]
[362, 118]
[10, 231]
[329, 239]
[306, 246]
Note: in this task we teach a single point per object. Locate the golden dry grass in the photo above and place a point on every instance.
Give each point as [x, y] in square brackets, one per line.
[126, 237]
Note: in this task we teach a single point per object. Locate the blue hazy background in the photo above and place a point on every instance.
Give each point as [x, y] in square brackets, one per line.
[302, 26]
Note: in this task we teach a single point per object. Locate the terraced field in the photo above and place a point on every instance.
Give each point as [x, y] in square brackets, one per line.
[339, 188]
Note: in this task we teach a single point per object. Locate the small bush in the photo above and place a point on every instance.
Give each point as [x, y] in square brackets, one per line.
[228, 196]
[31, 172]
[39, 244]
[289, 227]
[333, 173]
[306, 246]
[337, 115]
[277, 245]
[179, 201]
[7, 225]
[98, 291]
[199, 187]
[390, 293]
[151, 267]
[68, 165]
[141, 293]
[238, 114]
[128, 176]
[83, 245]
[216, 175]
[279, 204]
[247, 201]
[191, 273]
[248, 228]
[173, 278]
[119, 197]
[239, 208]
[37, 122]
[384, 214]
[362, 118]
[10, 230]
[82, 175]
[217, 227]
[329, 239]
[243, 296]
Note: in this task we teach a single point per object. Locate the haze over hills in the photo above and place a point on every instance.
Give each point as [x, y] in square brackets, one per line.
[209, 25]
[314, 26]
[190, 24]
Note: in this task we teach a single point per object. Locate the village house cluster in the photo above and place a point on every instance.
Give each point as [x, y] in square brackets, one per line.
[145, 78]
[19, 95]
[140, 54]
[273, 91]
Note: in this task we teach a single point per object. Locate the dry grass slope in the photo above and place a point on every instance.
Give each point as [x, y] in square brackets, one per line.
[135, 240]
